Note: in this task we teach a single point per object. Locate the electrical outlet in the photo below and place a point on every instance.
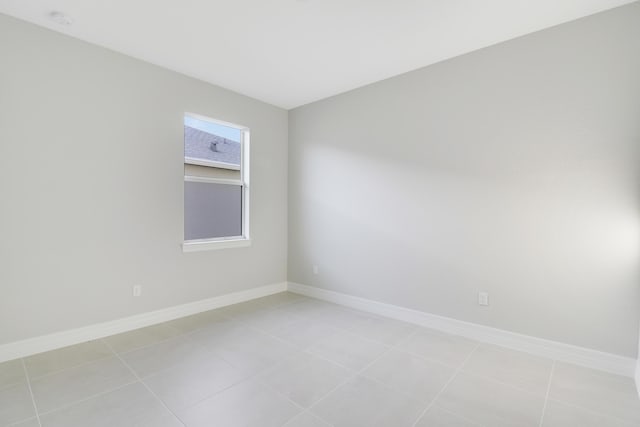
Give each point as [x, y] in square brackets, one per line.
[137, 290]
[316, 270]
[483, 298]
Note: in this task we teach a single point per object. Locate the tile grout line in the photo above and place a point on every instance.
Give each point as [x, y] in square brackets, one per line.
[435, 361]
[351, 331]
[209, 396]
[389, 348]
[181, 333]
[448, 411]
[591, 411]
[135, 374]
[89, 362]
[137, 379]
[489, 378]
[188, 335]
[431, 360]
[314, 318]
[252, 377]
[185, 334]
[349, 378]
[76, 402]
[293, 402]
[305, 350]
[546, 397]
[355, 374]
[209, 353]
[164, 340]
[256, 376]
[259, 308]
[312, 415]
[8, 386]
[84, 399]
[33, 399]
[453, 377]
[397, 346]
[269, 333]
[352, 373]
[505, 384]
[102, 358]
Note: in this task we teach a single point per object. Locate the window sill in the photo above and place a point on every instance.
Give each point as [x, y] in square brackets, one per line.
[210, 245]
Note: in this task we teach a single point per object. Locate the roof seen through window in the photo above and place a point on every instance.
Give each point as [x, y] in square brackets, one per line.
[209, 141]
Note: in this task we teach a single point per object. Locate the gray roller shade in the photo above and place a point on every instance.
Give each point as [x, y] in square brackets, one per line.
[212, 210]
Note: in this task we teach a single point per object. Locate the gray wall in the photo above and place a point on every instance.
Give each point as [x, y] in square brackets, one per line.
[513, 170]
[91, 186]
[637, 376]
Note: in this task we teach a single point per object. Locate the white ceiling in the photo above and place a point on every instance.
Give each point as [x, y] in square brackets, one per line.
[292, 52]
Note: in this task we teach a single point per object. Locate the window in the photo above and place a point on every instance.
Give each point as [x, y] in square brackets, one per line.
[216, 184]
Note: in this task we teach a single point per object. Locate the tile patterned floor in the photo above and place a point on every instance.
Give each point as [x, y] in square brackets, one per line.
[286, 360]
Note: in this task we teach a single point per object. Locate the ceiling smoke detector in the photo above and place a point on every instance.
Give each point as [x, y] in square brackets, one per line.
[60, 18]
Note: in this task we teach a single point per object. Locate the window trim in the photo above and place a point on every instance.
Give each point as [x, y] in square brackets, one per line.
[213, 244]
[244, 240]
[210, 163]
[210, 180]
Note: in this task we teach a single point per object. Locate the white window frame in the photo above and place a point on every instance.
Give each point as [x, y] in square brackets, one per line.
[243, 240]
[211, 163]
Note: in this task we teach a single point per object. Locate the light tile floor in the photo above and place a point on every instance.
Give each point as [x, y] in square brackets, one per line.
[287, 360]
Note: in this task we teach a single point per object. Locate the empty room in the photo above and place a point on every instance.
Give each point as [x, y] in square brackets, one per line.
[320, 213]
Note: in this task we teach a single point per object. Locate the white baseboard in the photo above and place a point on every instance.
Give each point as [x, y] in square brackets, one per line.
[56, 340]
[608, 362]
